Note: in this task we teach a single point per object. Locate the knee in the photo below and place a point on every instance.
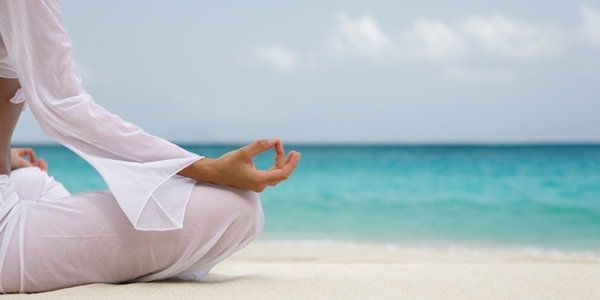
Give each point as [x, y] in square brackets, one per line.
[214, 207]
[250, 213]
[27, 174]
[243, 210]
[34, 184]
[29, 182]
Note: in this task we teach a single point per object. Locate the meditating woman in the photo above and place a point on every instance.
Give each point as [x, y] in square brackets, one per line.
[168, 213]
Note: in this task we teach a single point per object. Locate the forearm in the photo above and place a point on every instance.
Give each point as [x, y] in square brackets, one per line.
[202, 170]
[232, 169]
[9, 115]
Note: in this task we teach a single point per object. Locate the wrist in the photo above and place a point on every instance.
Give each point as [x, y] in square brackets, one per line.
[202, 170]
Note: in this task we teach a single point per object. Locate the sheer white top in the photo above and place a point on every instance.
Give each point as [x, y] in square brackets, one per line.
[139, 169]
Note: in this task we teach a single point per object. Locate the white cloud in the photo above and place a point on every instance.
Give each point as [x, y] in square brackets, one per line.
[362, 36]
[465, 75]
[431, 40]
[276, 57]
[590, 28]
[425, 40]
[498, 34]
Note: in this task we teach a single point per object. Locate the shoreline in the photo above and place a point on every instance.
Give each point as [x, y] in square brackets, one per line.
[301, 270]
[439, 249]
[332, 250]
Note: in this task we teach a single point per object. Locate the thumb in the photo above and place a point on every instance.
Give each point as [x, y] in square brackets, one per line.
[259, 146]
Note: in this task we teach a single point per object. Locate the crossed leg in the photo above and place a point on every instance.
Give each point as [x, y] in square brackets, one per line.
[86, 238]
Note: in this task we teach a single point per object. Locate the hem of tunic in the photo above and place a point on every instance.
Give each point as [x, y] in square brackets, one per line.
[178, 225]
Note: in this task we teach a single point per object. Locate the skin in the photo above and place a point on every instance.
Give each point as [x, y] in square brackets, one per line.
[237, 169]
[17, 161]
[9, 115]
[233, 169]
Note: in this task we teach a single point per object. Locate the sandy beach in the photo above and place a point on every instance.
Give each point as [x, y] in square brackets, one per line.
[294, 270]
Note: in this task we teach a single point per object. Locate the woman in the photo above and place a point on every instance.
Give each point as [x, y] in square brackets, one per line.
[168, 213]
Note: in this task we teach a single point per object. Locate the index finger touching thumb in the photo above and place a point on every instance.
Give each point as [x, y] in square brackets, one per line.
[260, 146]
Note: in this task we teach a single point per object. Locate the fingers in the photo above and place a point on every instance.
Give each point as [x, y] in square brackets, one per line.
[19, 163]
[279, 154]
[23, 151]
[26, 152]
[43, 165]
[31, 154]
[275, 176]
[258, 180]
[289, 157]
[292, 163]
[259, 146]
[280, 165]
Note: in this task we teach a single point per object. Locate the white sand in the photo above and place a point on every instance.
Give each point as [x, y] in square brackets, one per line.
[277, 270]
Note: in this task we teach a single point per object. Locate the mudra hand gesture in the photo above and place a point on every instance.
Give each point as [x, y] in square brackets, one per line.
[17, 161]
[237, 169]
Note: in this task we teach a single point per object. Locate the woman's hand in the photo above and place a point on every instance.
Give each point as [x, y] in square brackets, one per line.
[237, 169]
[17, 161]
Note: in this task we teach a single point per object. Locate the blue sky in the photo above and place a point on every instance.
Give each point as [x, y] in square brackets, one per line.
[342, 71]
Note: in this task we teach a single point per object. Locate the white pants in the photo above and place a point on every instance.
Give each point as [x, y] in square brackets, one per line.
[51, 240]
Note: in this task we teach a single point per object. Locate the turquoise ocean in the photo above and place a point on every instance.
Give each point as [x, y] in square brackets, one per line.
[542, 197]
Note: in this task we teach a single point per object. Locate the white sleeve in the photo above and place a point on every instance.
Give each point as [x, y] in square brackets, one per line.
[139, 169]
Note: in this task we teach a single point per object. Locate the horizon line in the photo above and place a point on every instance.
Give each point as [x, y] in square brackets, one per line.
[363, 144]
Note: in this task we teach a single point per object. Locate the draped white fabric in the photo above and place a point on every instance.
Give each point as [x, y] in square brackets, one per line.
[52, 240]
[139, 169]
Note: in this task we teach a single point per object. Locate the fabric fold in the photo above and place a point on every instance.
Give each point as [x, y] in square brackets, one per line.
[140, 169]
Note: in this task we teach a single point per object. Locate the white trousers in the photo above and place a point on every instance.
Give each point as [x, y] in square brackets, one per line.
[52, 240]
